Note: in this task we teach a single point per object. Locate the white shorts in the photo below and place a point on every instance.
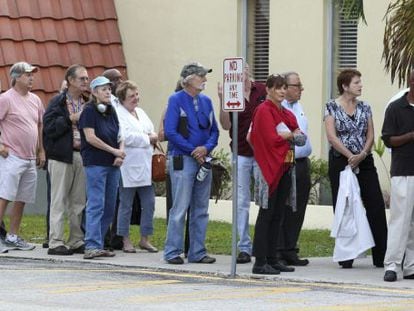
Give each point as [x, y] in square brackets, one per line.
[18, 179]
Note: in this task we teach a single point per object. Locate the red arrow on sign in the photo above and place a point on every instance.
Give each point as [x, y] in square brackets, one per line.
[236, 104]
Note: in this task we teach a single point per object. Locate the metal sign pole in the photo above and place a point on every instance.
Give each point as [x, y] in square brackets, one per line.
[235, 125]
[233, 101]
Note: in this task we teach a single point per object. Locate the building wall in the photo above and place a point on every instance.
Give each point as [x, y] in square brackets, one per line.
[297, 43]
[160, 36]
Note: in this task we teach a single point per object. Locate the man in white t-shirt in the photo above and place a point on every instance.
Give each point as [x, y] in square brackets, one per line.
[21, 148]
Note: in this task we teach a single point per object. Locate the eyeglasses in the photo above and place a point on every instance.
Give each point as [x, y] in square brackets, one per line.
[300, 86]
[83, 79]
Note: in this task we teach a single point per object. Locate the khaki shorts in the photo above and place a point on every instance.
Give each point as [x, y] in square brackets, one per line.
[18, 179]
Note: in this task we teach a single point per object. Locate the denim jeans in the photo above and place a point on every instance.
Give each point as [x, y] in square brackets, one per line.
[245, 169]
[187, 192]
[147, 200]
[101, 188]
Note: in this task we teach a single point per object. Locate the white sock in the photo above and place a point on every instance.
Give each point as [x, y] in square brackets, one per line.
[11, 237]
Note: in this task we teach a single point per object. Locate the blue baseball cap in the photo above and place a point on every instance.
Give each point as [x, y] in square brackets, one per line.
[99, 81]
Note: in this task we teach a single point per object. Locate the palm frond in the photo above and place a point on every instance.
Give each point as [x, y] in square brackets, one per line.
[352, 9]
[399, 40]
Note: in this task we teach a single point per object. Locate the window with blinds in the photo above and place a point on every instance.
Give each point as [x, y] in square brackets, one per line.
[347, 41]
[258, 38]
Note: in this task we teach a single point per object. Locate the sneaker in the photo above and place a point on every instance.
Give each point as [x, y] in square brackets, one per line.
[19, 244]
[390, 276]
[92, 253]
[3, 247]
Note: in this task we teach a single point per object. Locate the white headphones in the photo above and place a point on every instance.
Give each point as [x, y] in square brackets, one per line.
[101, 108]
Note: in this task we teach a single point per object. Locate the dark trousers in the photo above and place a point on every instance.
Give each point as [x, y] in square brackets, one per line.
[269, 220]
[371, 196]
[48, 204]
[293, 221]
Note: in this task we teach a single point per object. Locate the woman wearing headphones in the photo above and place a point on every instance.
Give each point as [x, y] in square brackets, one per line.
[102, 153]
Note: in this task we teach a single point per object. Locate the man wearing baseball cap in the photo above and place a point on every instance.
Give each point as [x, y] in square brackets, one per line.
[21, 148]
[192, 134]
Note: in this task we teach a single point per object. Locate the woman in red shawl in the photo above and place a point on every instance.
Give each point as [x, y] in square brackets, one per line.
[273, 130]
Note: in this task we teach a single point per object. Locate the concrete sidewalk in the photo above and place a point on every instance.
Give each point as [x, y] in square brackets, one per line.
[320, 271]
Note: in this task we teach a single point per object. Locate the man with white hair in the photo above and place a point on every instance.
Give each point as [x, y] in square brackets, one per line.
[192, 134]
[21, 148]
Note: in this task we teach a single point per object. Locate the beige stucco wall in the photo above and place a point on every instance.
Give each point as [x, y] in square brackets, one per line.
[159, 36]
[297, 43]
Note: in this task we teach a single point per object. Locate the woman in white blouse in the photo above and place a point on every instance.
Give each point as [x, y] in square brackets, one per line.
[138, 132]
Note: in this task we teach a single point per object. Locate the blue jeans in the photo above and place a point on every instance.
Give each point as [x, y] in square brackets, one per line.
[187, 192]
[126, 198]
[101, 188]
[245, 168]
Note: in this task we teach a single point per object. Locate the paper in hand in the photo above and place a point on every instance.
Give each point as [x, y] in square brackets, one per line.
[282, 128]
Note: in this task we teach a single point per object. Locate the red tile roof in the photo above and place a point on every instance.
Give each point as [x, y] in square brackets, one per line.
[54, 34]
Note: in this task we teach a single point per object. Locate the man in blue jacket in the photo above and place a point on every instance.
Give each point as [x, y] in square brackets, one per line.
[67, 179]
[192, 133]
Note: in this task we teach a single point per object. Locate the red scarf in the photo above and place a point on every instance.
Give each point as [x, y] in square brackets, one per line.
[270, 148]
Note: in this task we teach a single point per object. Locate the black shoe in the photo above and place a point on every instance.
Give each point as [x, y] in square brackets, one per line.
[347, 264]
[243, 258]
[60, 250]
[297, 262]
[45, 244]
[409, 277]
[282, 268]
[207, 259]
[175, 261]
[291, 258]
[390, 276]
[265, 269]
[79, 250]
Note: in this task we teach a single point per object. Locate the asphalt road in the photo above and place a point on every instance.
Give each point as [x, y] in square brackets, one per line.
[44, 285]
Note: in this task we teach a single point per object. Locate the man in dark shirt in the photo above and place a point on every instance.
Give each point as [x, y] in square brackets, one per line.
[398, 134]
[254, 94]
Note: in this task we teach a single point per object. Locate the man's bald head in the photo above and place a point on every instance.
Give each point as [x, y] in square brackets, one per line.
[115, 76]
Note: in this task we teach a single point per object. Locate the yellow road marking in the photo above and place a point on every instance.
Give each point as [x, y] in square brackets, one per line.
[244, 293]
[236, 280]
[396, 305]
[109, 286]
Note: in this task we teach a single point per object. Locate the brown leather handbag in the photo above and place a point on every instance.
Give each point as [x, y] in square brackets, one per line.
[159, 164]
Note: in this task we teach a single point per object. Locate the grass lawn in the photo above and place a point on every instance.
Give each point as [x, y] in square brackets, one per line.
[313, 243]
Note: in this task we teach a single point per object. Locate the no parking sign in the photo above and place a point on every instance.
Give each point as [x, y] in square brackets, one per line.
[233, 97]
